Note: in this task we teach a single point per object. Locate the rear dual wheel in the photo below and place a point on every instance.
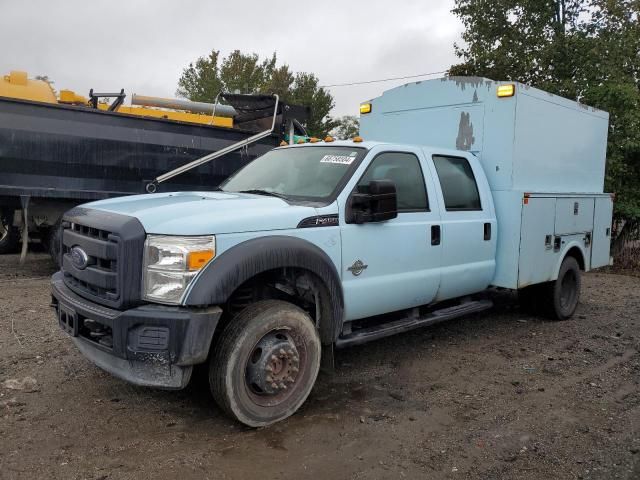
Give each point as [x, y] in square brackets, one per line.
[557, 299]
[564, 293]
[265, 363]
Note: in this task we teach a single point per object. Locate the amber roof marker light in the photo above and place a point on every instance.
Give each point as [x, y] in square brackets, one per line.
[365, 108]
[508, 90]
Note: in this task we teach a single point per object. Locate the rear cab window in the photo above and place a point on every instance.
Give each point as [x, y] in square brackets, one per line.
[458, 183]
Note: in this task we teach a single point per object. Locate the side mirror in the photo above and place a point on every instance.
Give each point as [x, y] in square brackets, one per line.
[375, 202]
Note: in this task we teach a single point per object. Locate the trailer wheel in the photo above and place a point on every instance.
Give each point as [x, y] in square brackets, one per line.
[265, 363]
[52, 243]
[9, 235]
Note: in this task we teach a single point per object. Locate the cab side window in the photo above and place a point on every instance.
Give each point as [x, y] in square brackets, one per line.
[458, 183]
[404, 170]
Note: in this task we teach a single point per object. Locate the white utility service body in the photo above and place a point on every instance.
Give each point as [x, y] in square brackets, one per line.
[543, 155]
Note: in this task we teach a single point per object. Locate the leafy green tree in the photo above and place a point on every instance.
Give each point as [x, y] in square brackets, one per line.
[586, 50]
[200, 81]
[524, 40]
[306, 91]
[280, 82]
[247, 73]
[609, 78]
[346, 127]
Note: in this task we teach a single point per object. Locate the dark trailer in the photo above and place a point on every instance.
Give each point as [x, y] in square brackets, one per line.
[55, 156]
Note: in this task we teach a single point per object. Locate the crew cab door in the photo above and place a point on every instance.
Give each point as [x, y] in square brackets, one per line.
[469, 226]
[393, 264]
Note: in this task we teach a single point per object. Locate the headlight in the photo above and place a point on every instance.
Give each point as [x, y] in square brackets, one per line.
[171, 263]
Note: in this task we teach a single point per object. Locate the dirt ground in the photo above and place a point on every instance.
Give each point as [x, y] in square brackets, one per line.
[499, 395]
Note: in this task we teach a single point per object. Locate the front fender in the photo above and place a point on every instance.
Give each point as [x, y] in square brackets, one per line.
[220, 278]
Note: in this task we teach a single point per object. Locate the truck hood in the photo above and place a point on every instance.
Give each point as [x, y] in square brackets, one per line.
[203, 213]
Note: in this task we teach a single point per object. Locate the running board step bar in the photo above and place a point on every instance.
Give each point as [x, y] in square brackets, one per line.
[398, 326]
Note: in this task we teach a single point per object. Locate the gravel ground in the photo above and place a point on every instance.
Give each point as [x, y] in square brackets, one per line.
[499, 395]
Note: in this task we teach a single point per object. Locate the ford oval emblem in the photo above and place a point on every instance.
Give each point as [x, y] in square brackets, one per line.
[79, 258]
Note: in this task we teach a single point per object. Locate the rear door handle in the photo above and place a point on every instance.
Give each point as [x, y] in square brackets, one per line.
[435, 235]
[487, 231]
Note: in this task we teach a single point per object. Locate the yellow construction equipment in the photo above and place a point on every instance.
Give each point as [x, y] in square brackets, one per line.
[17, 85]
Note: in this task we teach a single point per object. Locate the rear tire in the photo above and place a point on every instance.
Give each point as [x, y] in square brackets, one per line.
[559, 299]
[9, 235]
[265, 363]
[566, 290]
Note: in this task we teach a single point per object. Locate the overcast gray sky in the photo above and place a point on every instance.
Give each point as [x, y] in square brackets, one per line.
[143, 45]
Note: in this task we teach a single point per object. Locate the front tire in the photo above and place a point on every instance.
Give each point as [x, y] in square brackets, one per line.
[265, 363]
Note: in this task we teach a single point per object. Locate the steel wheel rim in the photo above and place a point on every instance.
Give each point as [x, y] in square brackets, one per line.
[288, 370]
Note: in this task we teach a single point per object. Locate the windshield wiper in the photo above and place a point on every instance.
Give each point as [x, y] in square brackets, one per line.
[257, 191]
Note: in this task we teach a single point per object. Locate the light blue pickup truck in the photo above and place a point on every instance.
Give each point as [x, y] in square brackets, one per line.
[461, 184]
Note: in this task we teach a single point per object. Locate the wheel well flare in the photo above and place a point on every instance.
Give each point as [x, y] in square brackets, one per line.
[233, 268]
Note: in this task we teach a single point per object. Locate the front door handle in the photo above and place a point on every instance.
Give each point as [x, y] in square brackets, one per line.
[435, 234]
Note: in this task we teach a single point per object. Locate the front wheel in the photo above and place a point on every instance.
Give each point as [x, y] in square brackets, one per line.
[265, 363]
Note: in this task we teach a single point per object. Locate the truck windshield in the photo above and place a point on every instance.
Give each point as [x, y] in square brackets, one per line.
[306, 173]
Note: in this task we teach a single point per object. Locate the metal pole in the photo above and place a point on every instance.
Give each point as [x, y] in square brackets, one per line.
[178, 104]
[152, 186]
[292, 131]
[24, 200]
[213, 115]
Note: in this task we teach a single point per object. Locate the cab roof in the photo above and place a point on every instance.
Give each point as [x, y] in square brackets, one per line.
[339, 143]
[369, 144]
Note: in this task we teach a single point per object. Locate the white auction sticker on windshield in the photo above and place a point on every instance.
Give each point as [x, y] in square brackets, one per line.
[339, 159]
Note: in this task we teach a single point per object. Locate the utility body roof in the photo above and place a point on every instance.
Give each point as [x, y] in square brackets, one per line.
[531, 141]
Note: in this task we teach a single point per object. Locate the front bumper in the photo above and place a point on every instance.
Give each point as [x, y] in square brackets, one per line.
[151, 345]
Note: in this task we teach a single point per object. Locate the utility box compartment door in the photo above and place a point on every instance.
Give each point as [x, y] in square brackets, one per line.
[537, 258]
[600, 251]
[574, 215]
